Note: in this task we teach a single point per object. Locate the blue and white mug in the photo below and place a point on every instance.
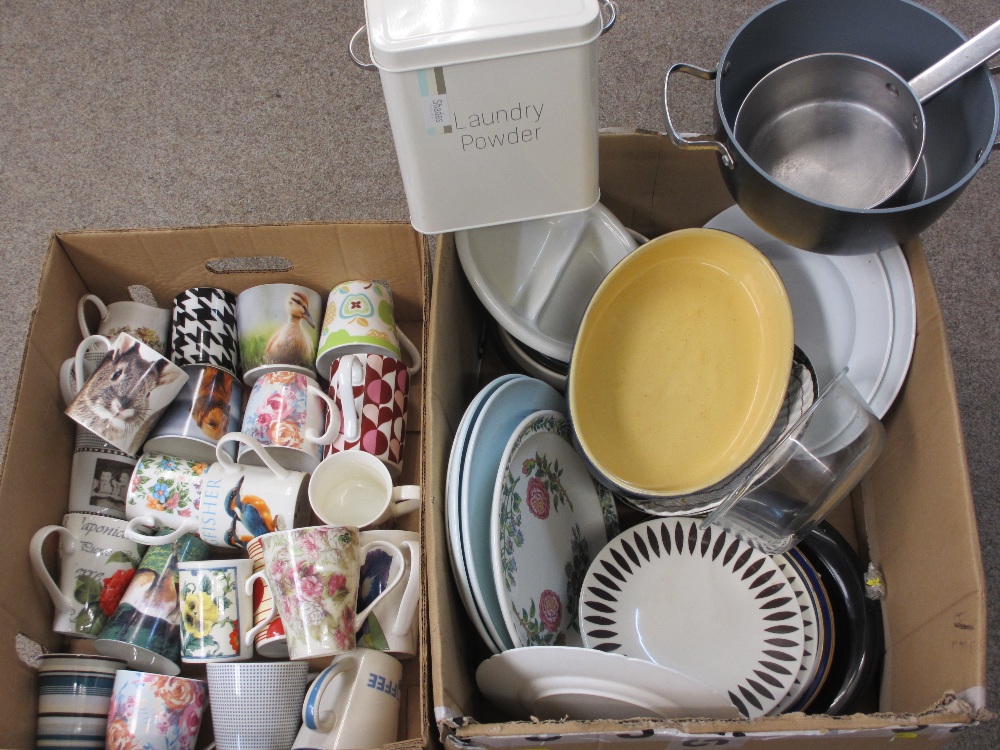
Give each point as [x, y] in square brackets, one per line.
[74, 694]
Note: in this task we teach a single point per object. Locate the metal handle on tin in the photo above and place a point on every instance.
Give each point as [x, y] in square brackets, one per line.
[612, 14]
[354, 53]
[697, 143]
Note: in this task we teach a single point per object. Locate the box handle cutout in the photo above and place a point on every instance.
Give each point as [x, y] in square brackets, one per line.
[255, 264]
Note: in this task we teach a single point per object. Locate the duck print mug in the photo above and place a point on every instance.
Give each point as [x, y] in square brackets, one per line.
[313, 574]
[277, 326]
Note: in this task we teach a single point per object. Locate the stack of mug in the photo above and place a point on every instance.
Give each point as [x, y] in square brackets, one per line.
[198, 549]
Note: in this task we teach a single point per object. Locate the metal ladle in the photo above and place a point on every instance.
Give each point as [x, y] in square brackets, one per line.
[843, 129]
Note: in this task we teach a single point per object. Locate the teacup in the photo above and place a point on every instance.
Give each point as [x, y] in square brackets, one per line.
[97, 563]
[372, 394]
[129, 390]
[355, 489]
[360, 319]
[208, 407]
[286, 413]
[277, 325]
[144, 322]
[313, 574]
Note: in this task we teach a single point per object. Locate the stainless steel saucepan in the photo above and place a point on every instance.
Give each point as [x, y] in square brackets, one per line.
[845, 129]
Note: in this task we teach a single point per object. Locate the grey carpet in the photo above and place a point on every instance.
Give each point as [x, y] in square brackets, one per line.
[116, 114]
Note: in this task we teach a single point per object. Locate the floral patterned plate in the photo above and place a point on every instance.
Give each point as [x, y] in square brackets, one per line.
[549, 519]
[699, 601]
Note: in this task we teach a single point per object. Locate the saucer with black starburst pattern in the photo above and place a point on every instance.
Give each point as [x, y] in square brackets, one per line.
[701, 602]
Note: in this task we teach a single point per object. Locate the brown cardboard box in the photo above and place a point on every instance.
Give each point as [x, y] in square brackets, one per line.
[35, 474]
[913, 512]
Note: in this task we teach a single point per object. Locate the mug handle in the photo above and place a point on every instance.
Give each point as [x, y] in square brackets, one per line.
[62, 602]
[132, 534]
[350, 373]
[272, 613]
[411, 594]
[412, 351]
[334, 427]
[397, 557]
[71, 373]
[81, 309]
[405, 499]
[230, 466]
[314, 697]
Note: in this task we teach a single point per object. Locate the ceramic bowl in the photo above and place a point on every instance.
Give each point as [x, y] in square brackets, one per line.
[535, 277]
[681, 364]
[523, 358]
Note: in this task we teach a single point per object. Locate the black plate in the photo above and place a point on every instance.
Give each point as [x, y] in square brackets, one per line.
[858, 644]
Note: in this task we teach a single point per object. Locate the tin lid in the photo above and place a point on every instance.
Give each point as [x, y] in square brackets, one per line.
[414, 34]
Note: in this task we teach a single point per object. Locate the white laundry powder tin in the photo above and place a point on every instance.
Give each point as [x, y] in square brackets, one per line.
[493, 105]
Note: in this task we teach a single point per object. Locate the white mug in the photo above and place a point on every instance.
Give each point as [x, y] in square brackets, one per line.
[147, 323]
[216, 610]
[237, 503]
[355, 489]
[99, 476]
[363, 712]
[391, 626]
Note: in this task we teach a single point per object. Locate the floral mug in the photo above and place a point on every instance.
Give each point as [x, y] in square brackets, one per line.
[313, 574]
[164, 491]
[155, 711]
[216, 610]
[286, 412]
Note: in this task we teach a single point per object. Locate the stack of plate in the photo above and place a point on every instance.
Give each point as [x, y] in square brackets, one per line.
[524, 516]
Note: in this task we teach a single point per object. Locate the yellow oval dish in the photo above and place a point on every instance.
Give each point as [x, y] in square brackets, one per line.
[681, 363]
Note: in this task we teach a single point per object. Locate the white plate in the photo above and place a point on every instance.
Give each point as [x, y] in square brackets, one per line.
[854, 311]
[502, 412]
[452, 515]
[549, 519]
[537, 277]
[699, 601]
[552, 682]
[811, 629]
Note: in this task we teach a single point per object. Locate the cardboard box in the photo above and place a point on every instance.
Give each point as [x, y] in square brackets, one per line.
[913, 514]
[34, 479]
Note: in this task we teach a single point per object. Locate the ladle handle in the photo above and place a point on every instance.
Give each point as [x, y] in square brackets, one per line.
[700, 142]
[956, 64]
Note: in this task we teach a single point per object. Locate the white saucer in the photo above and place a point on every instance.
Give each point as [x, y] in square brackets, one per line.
[452, 515]
[537, 277]
[502, 412]
[549, 519]
[854, 311]
[553, 682]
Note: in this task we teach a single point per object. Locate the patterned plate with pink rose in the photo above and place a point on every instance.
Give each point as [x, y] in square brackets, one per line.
[549, 519]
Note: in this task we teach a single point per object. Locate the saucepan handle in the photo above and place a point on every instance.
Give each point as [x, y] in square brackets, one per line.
[697, 143]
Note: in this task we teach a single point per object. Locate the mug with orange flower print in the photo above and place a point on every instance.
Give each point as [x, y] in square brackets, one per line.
[287, 413]
[155, 711]
[313, 574]
[216, 610]
[97, 562]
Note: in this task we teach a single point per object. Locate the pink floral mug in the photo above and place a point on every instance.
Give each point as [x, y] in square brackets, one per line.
[155, 711]
[313, 574]
[286, 413]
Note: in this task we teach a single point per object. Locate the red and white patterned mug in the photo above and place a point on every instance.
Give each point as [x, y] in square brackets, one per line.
[373, 419]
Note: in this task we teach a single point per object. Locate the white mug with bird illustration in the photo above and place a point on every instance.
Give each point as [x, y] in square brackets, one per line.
[278, 329]
[235, 503]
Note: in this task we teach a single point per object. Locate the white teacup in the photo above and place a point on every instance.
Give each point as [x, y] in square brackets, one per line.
[147, 323]
[392, 624]
[355, 489]
[76, 369]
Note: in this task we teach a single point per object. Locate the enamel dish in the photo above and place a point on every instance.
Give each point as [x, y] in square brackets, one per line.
[681, 364]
